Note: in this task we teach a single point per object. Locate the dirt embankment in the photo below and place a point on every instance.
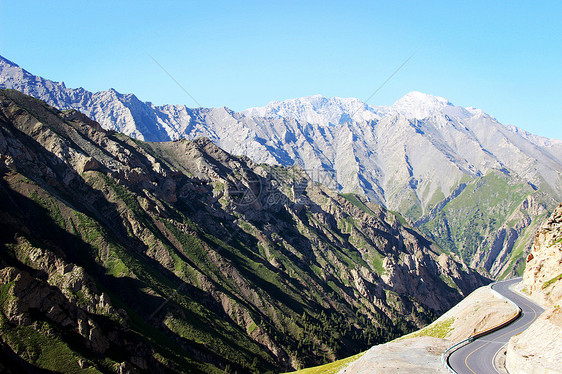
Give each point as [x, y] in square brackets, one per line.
[421, 351]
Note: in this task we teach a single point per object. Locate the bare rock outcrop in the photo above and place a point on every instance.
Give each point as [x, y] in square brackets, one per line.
[543, 274]
[537, 350]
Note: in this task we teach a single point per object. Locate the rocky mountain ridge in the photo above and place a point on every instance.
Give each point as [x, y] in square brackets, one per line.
[123, 256]
[336, 110]
[422, 157]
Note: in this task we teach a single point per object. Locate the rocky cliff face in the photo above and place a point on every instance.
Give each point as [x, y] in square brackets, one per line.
[543, 273]
[415, 157]
[120, 255]
[537, 349]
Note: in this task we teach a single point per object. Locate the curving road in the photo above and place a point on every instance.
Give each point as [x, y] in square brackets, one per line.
[477, 357]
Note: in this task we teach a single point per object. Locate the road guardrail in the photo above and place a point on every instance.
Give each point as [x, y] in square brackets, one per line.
[450, 350]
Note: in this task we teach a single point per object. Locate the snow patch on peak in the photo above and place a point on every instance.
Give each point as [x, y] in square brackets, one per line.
[418, 105]
[314, 98]
[317, 109]
[420, 97]
[333, 111]
[475, 111]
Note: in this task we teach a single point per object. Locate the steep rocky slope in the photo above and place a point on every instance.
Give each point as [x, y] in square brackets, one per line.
[119, 255]
[539, 348]
[422, 157]
[543, 273]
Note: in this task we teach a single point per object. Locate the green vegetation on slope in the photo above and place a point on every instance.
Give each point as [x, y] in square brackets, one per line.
[472, 224]
[551, 281]
[331, 368]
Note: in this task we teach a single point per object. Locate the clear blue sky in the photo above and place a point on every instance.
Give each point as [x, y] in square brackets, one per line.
[504, 57]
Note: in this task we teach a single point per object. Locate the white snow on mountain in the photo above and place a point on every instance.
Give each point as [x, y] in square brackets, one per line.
[417, 105]
[319, 109]
[336, 110]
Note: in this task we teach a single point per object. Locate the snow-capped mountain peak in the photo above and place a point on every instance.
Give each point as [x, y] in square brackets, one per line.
[416, 98]
[325, 111]
[318, 109]
[418, 105]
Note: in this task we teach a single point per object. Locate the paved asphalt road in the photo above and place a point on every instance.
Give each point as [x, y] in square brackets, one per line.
[477, 357]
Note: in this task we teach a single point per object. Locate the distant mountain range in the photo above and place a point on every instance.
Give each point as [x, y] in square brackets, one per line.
[475, 186]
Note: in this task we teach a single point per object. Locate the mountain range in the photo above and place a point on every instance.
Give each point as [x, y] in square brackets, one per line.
[122, 256]
[476, 187]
